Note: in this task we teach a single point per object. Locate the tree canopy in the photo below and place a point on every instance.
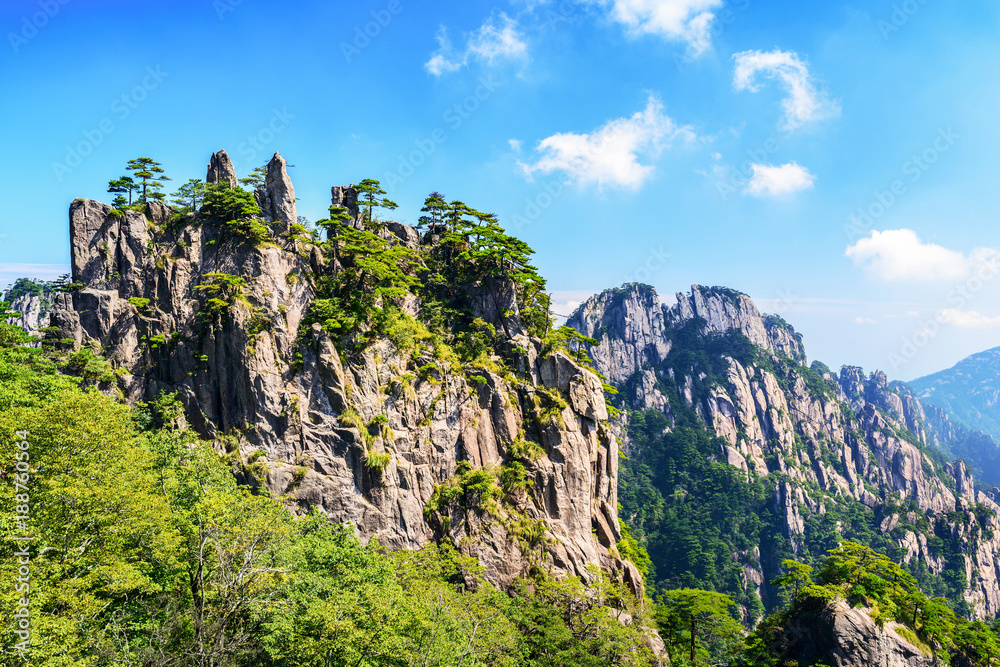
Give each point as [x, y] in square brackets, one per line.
[151, 177]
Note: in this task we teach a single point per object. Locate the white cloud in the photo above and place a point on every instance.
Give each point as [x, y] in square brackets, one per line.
[900, 255]
[497, 39]
[804, 103]
[515, 145]
[967, 319]
[680, 20]
[864, 320]
[611, 154]
[771, 181]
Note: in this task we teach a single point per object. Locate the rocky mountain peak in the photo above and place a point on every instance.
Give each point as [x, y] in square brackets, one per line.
[629, 322]
[725, 310]
[221, 170]
[970, 390]
[827, 445]
[305, 419]
[280, 194]
[634, 328]
[346, 196]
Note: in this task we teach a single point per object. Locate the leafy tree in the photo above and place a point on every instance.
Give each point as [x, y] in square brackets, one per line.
[693, 618]
[230, 548]
[867, 576]
[151, 178]
[435, 208]
[257, 179]
[237, 210]
[190, 194]
[570, 622]
[119, 187]
[371, 194]
[797, 576]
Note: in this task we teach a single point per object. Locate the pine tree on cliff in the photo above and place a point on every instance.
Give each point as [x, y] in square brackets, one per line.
[257, 178]
[435, 208]
[690, 619]
[190, 194]
[119, 187]
[371, 194]
[151, 176]
[340, 218]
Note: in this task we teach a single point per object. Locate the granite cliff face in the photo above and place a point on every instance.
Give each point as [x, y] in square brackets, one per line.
[32, 311]
[821, 439]
[306, 418]
[839, 635]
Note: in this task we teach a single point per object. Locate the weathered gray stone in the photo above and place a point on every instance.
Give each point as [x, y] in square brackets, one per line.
[234, 380]
[842, 636]
[221, 170]
[280, 193]
[858, 421]
[32, 311]
[347, 196]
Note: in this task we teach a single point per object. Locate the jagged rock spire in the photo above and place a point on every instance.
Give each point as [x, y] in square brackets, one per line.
[280, 192]
[220, 170]
[346, 196]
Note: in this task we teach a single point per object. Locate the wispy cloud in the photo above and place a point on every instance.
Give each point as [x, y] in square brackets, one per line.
[687, 21]
[804, 104]
[771, 181]
[967, 319]
[11, 271]
[496, 40]
[564, 302]
[900, 255]
[615, 154]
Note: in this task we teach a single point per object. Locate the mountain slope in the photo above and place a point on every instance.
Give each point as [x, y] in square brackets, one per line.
[969, 390]
[740, 455]
[316, 372]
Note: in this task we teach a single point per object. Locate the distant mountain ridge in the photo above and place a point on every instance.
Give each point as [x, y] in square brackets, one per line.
[969, 390]
[740, 455]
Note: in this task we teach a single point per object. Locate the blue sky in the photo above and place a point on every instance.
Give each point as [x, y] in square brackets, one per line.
[837, 162]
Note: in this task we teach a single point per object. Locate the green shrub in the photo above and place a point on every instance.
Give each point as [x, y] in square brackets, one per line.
[631, 550]
[525, 449]
[513, 477]
[139, 302]
[377, 460]
[237, 211]
[469, 488]
[89, 366]
[297, 477]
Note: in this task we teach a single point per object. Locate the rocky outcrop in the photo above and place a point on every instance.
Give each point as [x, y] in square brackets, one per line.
[838, 635]
[32, 311]
[221, 170]
[366, 437]
[824, 439]
[347, 197]
[280, 193]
